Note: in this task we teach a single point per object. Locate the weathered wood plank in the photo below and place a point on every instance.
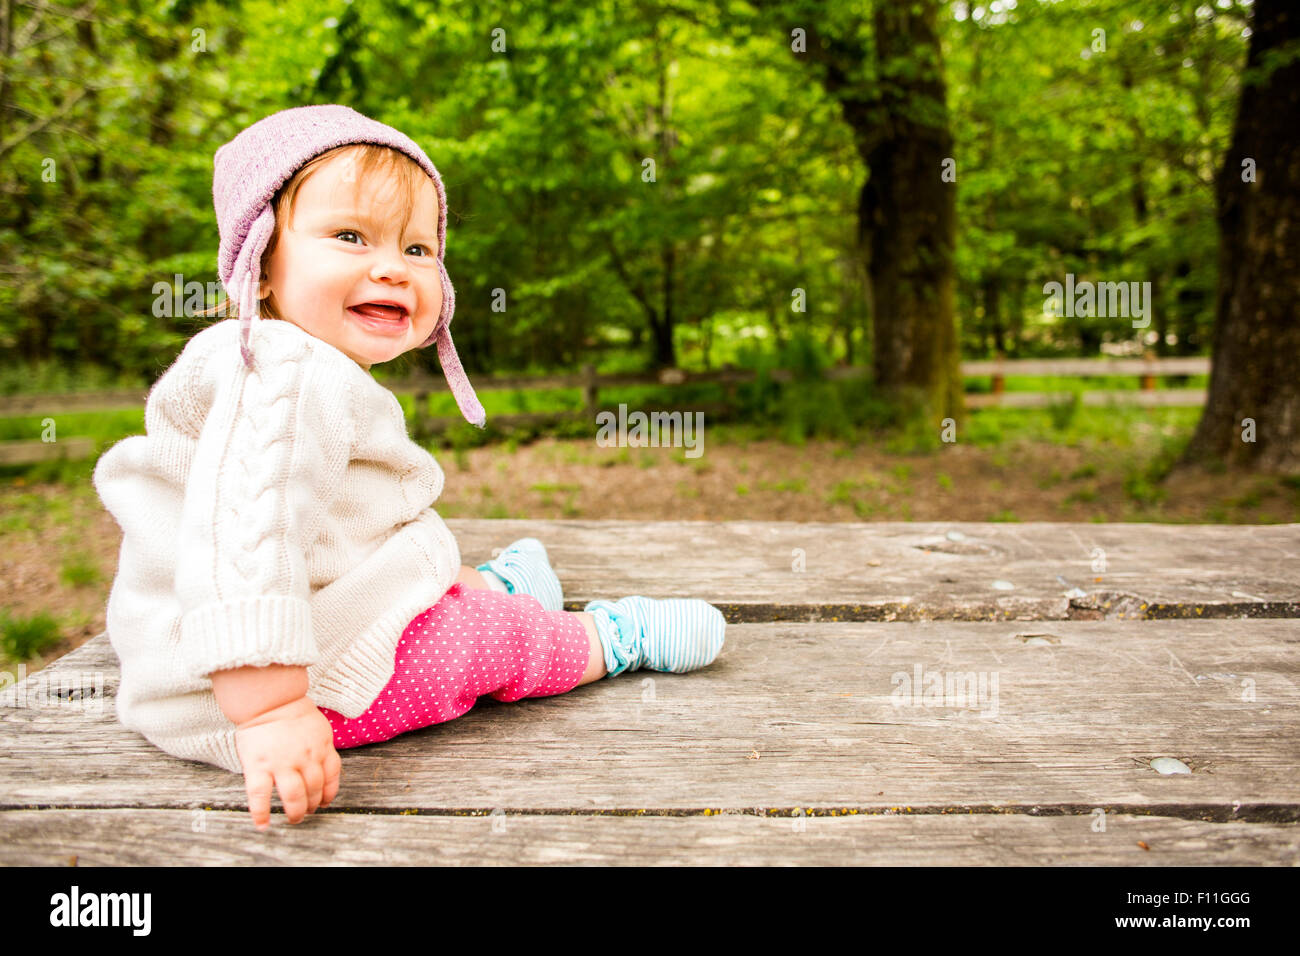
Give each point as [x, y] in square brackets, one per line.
[906, 571]
[169, 837]
[798, 715]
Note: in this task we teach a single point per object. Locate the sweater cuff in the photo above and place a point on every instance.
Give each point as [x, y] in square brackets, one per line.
[248, 632]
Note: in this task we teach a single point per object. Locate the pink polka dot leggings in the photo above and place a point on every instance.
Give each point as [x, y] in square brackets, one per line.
[472, 642]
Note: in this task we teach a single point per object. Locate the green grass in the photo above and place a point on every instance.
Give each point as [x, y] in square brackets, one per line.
[1066, 383]
[848, 412]
[57, 377]
[842, 493]
[1140, 489]
[864, 509]
[797, 485]
[1118, 427]
[23, 513]
[846, 492]
[518, 401]
[1062, 413]
[80, 570]
[548, 487]
[1250, 499]
[568, 509]
[22, 638]
[1050, 481]
[29, 511]
[622, 457]
[102, 426]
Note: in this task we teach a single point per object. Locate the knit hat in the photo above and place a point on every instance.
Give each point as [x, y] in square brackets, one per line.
[251, 168]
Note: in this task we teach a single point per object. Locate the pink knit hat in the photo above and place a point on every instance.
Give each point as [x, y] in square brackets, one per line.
[252, 167]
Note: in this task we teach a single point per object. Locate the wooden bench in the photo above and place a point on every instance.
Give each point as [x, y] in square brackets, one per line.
[1069, 657]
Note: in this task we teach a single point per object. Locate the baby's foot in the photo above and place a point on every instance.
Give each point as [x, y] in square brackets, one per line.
[673, 634]
[525, 568]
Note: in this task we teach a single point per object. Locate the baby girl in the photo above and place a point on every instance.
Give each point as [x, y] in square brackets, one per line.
[285, 589]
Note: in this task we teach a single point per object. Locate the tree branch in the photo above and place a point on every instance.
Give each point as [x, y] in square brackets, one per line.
[61, 112]
[637, 290]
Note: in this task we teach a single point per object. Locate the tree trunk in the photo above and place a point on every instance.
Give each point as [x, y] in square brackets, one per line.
[847, 313]
[662, 324]
[1256, 331]
[907, 217]
[906, 212]
[1017, 321]
[993, 312]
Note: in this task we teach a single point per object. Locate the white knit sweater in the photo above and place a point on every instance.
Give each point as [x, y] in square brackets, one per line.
[276, 517]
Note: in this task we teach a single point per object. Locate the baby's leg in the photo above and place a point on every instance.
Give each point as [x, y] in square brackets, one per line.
[595, 668]
[596, 661]
[475, 642]
[471, 578]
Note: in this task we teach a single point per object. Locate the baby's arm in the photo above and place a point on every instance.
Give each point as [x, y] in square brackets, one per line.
[284, 741]
[247, 692]
[271, 458]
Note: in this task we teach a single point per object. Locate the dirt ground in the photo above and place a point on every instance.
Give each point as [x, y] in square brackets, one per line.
[54, 535]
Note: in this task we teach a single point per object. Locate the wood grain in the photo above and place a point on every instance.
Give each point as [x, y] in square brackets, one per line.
[169, 838]
[803, 742]
[906, 571]
[1078, 720]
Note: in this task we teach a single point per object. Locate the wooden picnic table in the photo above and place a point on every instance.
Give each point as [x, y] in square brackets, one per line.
[1068, 657]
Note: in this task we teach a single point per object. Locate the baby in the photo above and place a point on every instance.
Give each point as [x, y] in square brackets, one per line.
[285, 589]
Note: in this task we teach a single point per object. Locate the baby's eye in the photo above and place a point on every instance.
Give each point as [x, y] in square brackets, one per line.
[346, 232]
[425, 248]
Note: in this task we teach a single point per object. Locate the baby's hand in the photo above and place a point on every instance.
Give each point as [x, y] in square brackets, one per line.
[290, 747]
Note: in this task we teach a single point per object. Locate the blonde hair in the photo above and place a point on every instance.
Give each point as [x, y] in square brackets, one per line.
[370, 159]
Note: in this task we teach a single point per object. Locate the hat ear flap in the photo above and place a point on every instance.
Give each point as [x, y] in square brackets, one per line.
[461, 389]
[246, 276]
[448, 304]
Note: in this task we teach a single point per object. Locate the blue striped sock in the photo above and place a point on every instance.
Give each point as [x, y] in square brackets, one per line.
[674, 634]
[525, 568]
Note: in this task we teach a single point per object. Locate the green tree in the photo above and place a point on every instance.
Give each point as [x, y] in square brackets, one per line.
[1254, 389]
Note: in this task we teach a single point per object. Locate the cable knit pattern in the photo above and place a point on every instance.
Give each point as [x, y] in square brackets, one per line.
[264, 433]
[274, 516]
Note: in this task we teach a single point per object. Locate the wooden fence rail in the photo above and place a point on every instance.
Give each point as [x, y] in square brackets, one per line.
[421, 385]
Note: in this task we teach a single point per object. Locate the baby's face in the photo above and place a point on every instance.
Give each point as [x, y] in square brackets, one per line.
[335, 256]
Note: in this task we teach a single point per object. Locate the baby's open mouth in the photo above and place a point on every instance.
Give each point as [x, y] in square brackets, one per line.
[374, 310]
